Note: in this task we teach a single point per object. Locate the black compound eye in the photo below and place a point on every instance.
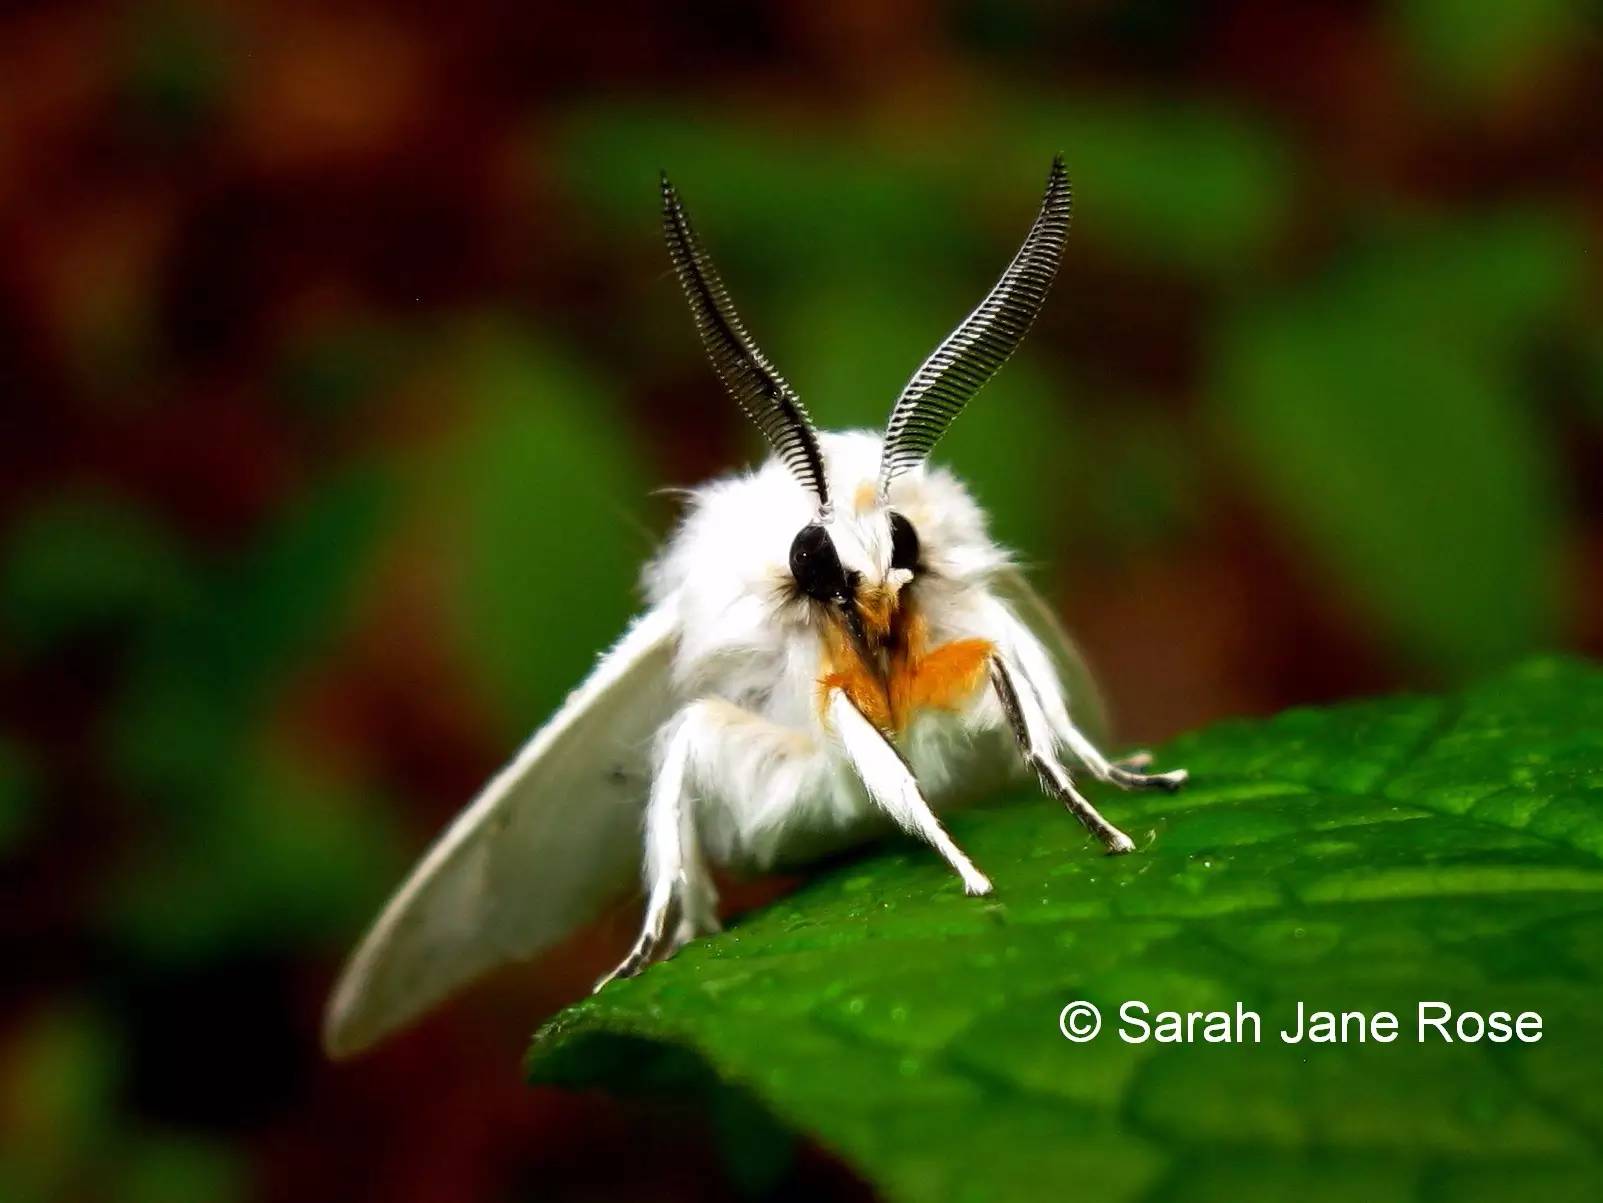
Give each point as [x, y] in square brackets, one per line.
[816, 565]
[904, 543]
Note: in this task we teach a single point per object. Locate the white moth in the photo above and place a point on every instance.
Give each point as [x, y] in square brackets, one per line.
[833, 645]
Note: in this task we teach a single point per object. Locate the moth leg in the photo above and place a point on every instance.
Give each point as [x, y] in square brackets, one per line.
[678, 880]
[698, 897]
[1124, 773]
[1030, 728]
[1035, 680]
[666, 814]
[890, 783]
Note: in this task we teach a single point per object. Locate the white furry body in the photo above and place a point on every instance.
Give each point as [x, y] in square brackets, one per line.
[772, 778]
[711, 733]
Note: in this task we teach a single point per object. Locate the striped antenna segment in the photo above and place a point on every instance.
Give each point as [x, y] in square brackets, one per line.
[745, 371]
[972, 353]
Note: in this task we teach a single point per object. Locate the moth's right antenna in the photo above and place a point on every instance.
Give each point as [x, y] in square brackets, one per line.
[970, 355]
[751, 380]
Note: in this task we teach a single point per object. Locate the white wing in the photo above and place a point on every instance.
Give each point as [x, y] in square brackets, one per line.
[546, 843]
[1079, 685]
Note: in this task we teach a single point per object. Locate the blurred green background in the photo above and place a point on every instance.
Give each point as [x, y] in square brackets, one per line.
[342, 366]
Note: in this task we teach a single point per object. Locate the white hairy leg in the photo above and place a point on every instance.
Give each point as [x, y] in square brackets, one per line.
[676, 870]
[698, 901]
[1032, 670]
[1030, 727]
[891, 786]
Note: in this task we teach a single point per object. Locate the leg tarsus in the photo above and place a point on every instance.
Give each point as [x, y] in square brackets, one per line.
[1126, 773]
[1118, 774]
[639, 957]
[693, 904]
[698, 910]
[1056, 781]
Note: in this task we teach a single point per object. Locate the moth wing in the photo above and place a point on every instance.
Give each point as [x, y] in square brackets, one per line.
[1086, 704]
[552, 837]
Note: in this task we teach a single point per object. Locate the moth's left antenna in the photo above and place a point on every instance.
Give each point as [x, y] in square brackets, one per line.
[751, 380]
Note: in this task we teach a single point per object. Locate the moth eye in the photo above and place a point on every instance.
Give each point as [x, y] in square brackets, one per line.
[816, 565]
[904, 543]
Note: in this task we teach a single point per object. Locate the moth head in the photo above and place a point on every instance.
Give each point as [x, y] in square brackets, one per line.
[858, 568]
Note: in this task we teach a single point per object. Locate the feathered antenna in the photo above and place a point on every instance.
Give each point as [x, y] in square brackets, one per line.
[982, 343]
[759, 390]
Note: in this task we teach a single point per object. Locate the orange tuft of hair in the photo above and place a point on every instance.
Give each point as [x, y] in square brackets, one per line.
[877, 608]
[944, 678]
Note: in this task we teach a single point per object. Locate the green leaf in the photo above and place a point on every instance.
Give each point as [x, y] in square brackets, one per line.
[237, 873]
[178, 60]
[59, 1096]
[212, 667]
[1365, 857]
[1199, 187]
[231, 822]
[291, 596]
[769, 199]
[1191, 186]
[1589, 373]
[542, 493]
[1472, 48]
[339, 370]
[1388, 418]
[18, 795]
[162, 1168]
[85, 564]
